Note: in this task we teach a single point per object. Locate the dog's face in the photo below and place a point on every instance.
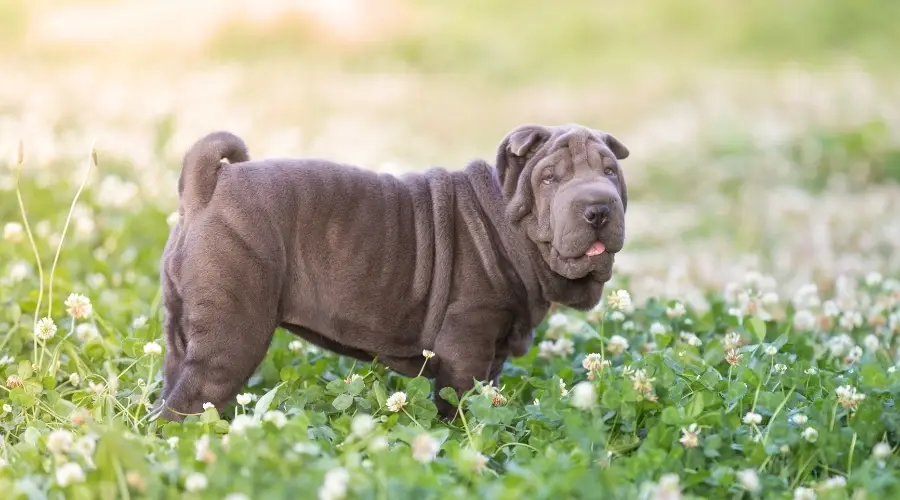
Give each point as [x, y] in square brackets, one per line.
[565, 186]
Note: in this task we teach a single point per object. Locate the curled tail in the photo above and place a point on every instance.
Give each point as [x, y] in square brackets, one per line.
[200, 169]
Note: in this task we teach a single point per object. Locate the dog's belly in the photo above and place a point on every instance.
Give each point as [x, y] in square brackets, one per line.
[406, 365]
[324, 342]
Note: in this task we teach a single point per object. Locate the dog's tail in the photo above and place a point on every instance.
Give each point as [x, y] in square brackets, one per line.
[200, 169]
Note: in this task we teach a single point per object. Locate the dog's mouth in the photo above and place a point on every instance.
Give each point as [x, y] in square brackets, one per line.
[595, 261]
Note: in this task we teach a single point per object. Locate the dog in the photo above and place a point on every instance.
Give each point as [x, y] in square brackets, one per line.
[465, 263]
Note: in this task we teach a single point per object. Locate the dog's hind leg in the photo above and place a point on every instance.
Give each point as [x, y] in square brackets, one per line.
[222, 353]
[227, 324]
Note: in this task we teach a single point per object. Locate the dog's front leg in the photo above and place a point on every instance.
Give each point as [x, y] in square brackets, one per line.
[465, 350]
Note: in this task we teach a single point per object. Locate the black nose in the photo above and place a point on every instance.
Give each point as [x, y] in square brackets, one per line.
[596, 215]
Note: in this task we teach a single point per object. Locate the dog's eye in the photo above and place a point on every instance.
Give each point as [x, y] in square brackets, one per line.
[609, 171]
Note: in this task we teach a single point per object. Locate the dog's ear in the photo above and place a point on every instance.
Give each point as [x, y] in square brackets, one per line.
[615, 146]
[513, 154]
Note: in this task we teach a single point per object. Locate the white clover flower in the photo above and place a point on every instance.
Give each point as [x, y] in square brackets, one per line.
[873, 279]
[593, 362]
[690, 339]
[733, 357]
[207, 405]
[236, 496]
[195, 481]
[834, 483]
[811, 371]
[546, 349]
[690, 437]
[7, 408]
[769, 299]
[810, 434]
[617, 316]
[657, 328]
[779, 369]
[69, 473]
[564, 347]
[425, 448]
[617, 345]
[275, 417]
[78, 306]
[557, 321]
[584, 396]
[628, 326]
[799, 418]
[378, 443]
[784, 449]
[749, 480]
[241, 423]
[732, 341]
[152, 348]
[562, 388]
[881, 451]
[848, 397]
[619, 300]
[202, 451]
[752, 418]
[86, 446]
[334, 487]
[771, 350]
[85, 332]
[244, 399]
[801, 493]
[641, 382]
[74, 379]
[362, 425]
[14, 381]
[18, 271]
[13, 232]
[173, 441]
[804, 320]
[59, 441]
[45, 329]
[477, 461]
[850, 320]
[892, 369]
[871, 342]
[668, 488]
[295, 346]
[428, 354]
[676, 311]
[139, 322]
[839, 344]
[396, 401]
[831, 309]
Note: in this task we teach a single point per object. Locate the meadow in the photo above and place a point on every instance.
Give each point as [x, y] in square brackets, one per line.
[746, 347]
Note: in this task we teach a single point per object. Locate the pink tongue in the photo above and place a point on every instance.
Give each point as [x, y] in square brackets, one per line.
[596, 249]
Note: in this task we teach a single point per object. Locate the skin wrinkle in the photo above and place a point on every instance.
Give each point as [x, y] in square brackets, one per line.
[366, 264]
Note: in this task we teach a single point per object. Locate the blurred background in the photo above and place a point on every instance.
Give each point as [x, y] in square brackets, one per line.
[764, 135]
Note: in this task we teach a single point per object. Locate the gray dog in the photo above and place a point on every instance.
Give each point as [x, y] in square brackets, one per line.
[463, 263]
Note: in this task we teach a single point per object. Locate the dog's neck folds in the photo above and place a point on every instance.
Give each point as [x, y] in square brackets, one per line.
[542, 284]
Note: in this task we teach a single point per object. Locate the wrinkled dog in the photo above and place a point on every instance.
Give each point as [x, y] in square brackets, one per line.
[462, 263]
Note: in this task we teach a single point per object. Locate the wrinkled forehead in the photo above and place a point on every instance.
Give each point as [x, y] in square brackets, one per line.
[578, 145]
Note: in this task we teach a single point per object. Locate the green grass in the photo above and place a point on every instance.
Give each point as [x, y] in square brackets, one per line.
[563, 428]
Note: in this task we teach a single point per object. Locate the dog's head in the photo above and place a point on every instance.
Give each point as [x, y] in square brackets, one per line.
[565, 187]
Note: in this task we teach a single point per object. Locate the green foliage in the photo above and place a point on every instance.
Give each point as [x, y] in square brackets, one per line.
[76, 411]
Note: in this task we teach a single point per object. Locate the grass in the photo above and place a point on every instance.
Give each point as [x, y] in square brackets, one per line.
[750, 395]
[764, 138]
